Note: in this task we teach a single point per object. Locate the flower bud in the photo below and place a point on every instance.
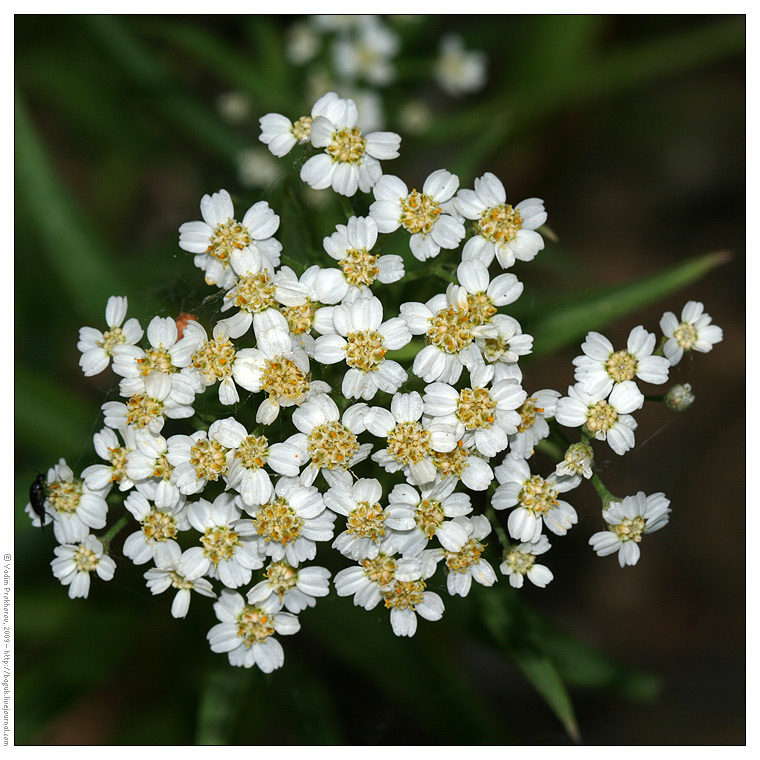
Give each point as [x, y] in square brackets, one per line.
[679, 398]
[579, 460]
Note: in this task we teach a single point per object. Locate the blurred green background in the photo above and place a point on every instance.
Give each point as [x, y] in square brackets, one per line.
[631, 128]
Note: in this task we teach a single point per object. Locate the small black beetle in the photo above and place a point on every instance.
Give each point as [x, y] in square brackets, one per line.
[38, 496]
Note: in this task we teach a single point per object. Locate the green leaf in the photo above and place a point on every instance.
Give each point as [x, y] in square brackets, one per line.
[191, 116]
[557, 323]
[507, 626]
[70, 247]
[221, 704]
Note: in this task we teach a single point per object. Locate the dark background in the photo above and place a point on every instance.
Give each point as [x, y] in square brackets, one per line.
[631, 128]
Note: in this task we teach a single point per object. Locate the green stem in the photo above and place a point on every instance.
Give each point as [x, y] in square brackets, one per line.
[500, 533]
[115, 528]
[603, 491]
[347, 207]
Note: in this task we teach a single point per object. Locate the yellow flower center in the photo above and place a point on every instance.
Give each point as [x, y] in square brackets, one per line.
[685, 335]
[630, 530]
[282, 577]
[302, 129]
[468, 555]
[359, 267]
[111, 338]
[450, 330]
[601, 417]
[428, 516]
[419, 212]
[85, 559]
[278, 522]
[220, 543]
[347, 146]
[254, 293]
[405, 595]
[621, 366]
[159, 526]
[538, 496]
[409, 442]
[214, 359]
[367, 521]
[64, 496]
[380, 570]
[283, 379]
[254, 625]
[227, 237]
[451, 462]
[365, 350]
[500, 224]
[209, 458]
[142, 410]
[299, 318]
[332, 445]
[476, 408]
[253, 452]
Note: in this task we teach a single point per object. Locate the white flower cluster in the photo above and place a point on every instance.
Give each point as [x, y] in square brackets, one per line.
[225, 495]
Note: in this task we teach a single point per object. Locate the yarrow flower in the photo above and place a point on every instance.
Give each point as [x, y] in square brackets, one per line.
[428, 217]
[459, 71]
[315, 355]
[604, 419]
[503, 231]
[75, 562]
[246, 631]
[98, 348]
[350, 161]
[601, 367]
[627, 522]
[694, 332]
[219, 235]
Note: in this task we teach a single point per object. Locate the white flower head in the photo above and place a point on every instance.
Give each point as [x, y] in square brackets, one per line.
[367, 53]
[694, 332]
[600, 367]
[467, 564]
[534, 498]
[504, 348]
[350, 160]
[407, 599]
[249, 455]
[247, 631]
[362, 339]
[73, 564]
[370, 527]
[170, 572]
[168, 353]
[604, 419]
[73, 506]
[278, 366]
[367, 581]
[433, 513]
[159, 529]
[578, 460]
[503, 231]
[110, 448]
[99, 348]
[150, 401]
[229, 549]
[288, 526]
[198, 458]
[350, 246]
[429, 217]
[214, 359]
[294, 587]
[219, 235]
[627, 522]
[329, 439]
[411, 441]
[459, 71]
[465, 464]
[450, 337]
[148, 466]
[280, 134]
[520, 561]
[484, 416]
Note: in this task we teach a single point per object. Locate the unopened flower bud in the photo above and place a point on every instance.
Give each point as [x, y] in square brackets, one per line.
[579, 460]
[679, 398]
